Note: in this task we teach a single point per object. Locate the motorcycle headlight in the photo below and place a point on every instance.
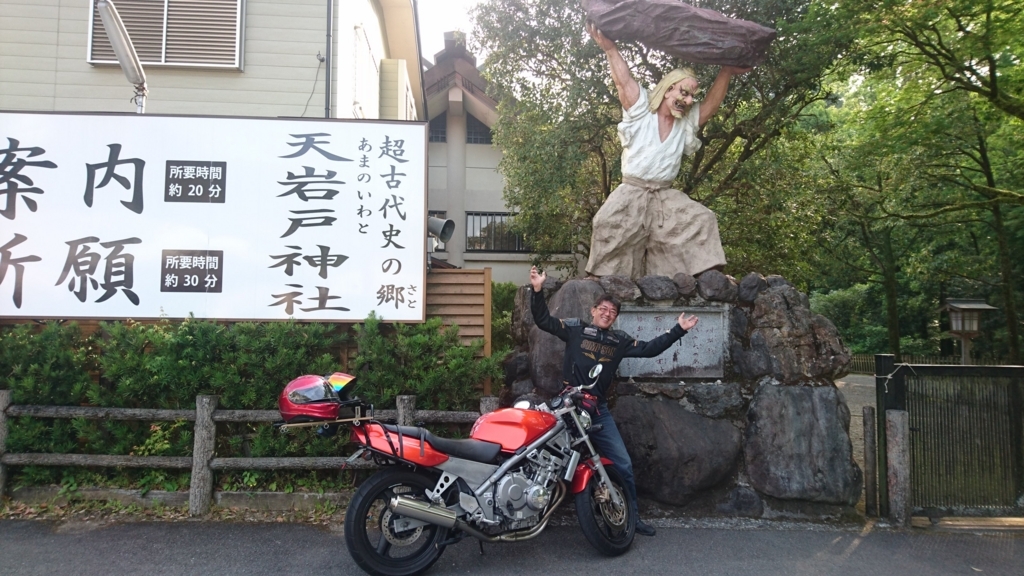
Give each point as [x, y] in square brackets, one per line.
[585, 419]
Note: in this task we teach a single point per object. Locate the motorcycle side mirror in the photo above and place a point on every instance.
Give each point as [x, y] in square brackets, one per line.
[593, 374]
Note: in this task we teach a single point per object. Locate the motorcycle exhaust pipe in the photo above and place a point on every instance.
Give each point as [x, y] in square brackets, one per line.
[424, 511]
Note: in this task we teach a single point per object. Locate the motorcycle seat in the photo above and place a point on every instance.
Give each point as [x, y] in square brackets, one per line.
[468, 449]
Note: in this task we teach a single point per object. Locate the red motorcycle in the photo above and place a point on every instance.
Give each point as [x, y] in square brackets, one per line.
[500, 485]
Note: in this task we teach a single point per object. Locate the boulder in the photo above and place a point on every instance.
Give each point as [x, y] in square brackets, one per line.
[798, 445]
[801, 345]
[714, 400]
[713, 285]
[521, 387]
[670, 390]
[620, 287]
[774, 281]
[675, 453]
[743, 502]
[516, 366]
[738, 323]
[573, 300]
[658, 288]
[753, 361]
[750, 286]
[687, 284]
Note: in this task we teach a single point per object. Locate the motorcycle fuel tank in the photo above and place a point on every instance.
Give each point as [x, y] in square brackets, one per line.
[512, 427]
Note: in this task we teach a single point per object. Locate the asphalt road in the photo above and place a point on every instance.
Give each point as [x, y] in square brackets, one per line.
[221, 548]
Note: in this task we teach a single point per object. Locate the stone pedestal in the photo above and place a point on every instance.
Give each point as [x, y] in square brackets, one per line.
[742, 411]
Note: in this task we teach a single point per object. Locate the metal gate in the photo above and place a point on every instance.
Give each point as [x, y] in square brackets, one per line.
[966, 436]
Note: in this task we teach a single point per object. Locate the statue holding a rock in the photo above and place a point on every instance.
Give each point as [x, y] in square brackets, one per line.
[646, 227]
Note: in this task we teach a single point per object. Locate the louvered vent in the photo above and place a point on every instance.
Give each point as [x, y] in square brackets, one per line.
[144, 20]
[198, 32]
[202, 31]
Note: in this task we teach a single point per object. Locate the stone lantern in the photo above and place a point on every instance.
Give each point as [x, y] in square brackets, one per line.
[965, 322]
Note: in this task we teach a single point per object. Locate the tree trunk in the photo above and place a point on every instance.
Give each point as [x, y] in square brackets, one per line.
[892, 312]
[1006, 272]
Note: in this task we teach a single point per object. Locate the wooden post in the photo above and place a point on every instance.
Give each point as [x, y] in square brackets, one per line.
[870, 464]
[897, 431]
[5, 401]
[487, 325]
[200, 492]
[488, 404]
[406, 410]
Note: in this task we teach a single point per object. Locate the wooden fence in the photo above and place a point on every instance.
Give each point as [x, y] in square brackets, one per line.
[462, 297]
[203, 460]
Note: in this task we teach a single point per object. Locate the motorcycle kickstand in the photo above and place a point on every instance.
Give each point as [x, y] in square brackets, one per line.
[481, 543]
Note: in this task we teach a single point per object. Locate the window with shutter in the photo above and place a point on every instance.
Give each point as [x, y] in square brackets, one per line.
[202, 33]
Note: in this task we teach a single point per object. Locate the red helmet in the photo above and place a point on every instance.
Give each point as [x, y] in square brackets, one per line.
[309, 398]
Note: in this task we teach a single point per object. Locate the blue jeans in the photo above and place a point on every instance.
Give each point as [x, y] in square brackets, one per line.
[609, 444]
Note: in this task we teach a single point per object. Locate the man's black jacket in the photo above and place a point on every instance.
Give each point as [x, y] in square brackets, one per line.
[587, 345]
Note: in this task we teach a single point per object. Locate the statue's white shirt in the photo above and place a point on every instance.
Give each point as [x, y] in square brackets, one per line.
[644, 155]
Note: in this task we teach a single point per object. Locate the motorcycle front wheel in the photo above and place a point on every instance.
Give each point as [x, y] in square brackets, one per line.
[607, 527]
[374, 542]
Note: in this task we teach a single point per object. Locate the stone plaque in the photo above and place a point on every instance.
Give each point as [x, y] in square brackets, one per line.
[699, 354]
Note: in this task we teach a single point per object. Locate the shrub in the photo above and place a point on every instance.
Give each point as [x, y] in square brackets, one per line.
[426, 360]
[50, 365]
[503, 300]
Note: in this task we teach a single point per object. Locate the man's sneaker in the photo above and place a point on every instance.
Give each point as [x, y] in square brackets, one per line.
[644, 529]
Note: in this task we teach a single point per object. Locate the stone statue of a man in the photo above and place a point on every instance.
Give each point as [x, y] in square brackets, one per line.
[645, 226]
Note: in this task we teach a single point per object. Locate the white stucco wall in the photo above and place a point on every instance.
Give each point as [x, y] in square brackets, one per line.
[44, 44]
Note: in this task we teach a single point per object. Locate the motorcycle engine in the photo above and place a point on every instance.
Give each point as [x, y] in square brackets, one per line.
[521, 496]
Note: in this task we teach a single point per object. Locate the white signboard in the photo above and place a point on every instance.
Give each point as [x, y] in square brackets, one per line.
[141, 216]
[699, 354]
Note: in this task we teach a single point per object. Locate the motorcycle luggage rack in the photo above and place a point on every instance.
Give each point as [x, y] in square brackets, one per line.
[356, 419]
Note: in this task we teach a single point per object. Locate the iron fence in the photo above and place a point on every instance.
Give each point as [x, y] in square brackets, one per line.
[865, 363]
[966, 435]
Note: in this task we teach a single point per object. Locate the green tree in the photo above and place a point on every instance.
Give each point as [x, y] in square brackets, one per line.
[957, 87]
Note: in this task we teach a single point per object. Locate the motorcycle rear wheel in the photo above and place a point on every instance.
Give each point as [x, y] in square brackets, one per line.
[369, 528]
[608, 529]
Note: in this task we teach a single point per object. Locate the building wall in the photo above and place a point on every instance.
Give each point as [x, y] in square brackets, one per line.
[44, 44]
[484, 185]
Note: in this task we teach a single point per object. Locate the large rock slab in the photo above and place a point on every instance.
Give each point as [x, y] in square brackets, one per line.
[675, 453]
[798, 445]
[801, 345]
[573, 300]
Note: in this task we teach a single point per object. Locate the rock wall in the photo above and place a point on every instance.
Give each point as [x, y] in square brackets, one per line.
[771, 436]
